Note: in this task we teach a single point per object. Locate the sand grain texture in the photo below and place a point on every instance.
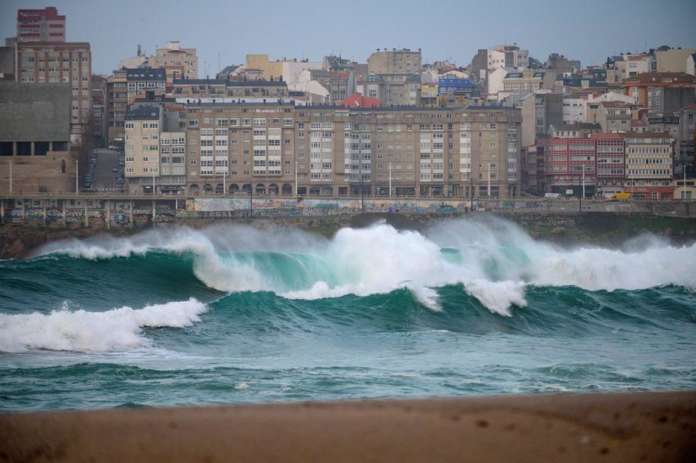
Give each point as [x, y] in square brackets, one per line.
[629, 427]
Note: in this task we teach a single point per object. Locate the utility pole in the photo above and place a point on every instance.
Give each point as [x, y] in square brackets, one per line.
[362, 188]
[251, 199]
[489, 180]
[583, 189]
[390, 179]
[11, 179]
[77, 177]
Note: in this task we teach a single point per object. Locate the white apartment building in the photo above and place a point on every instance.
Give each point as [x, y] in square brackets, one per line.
[321, 142]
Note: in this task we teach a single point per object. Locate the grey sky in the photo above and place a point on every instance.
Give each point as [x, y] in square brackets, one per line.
[589, 30]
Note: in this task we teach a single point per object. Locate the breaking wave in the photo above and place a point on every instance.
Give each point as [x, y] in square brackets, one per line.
[85, 331]
[494, 260]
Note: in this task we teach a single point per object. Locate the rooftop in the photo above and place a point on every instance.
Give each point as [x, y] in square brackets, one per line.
[144, 112]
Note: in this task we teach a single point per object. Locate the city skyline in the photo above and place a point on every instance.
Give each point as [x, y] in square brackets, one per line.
[596, 32]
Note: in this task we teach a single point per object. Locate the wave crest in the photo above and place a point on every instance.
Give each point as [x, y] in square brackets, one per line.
[493, 259]
[84, 331]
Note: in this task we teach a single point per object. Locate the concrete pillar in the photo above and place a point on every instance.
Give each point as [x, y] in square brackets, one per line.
[14, 148]
[33, 148]
[130, 213]
[107, 205]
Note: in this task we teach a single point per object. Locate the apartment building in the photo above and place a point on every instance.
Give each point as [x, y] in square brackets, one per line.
[278, 148]
[610, 155]
[60, 62]
[142, 151]
[662, 93]
[116, 106]
[686, 141]
[249, 91]
[393, 90]
[614, 116]
[673, 60]
[340, 84]
[575, 130]
[145, 83]
[240, 147]
[649, 165]
[633, 65]
[570, 166]
[178, 62]
[44, 25]
[541, 111]
[99, 109]
[522, 82]
[403, 61]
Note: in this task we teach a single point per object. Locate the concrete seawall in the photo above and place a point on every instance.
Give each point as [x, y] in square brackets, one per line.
[21, 235]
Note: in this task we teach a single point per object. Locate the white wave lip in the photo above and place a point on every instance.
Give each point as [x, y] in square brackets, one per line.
[84, 331]
[494, 260]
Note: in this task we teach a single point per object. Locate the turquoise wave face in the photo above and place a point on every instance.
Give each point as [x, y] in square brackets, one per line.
[230, 315]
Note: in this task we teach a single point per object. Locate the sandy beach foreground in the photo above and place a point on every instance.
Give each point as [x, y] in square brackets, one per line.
[593, 427]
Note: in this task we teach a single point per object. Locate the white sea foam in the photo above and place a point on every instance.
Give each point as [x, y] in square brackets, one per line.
[494, 261]
[84, 331]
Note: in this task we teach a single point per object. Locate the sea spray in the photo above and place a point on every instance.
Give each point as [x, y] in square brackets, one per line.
[493, 259]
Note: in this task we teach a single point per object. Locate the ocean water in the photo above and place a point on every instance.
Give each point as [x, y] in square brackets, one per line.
[231, 314]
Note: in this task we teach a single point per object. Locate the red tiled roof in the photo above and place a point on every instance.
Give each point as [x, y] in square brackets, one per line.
[359, 101]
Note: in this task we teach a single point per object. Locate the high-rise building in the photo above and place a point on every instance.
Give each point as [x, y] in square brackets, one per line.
[44, 25]
[60, 62]
[116, 106]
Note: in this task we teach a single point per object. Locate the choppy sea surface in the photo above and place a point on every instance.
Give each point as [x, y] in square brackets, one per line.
[232, 314]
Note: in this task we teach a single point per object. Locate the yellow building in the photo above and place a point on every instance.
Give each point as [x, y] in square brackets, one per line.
[270, 69]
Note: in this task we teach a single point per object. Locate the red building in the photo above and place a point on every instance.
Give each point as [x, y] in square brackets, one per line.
[570, 165]
[40, 25]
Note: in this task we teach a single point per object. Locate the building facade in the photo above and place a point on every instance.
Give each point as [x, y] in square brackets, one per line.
[60, 62]
[403, 61]
[44, 25]
[178, 62]
[278, 148]
[649, 165]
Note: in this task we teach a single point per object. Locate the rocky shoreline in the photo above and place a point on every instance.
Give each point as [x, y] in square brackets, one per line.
[602, 229]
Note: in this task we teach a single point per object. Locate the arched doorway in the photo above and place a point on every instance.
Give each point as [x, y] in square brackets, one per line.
[287, 189]
[273, 189]
[234, 188]
[207, 188]
[260, 189]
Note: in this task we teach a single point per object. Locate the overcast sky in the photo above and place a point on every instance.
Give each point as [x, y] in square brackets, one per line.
[224, 31]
